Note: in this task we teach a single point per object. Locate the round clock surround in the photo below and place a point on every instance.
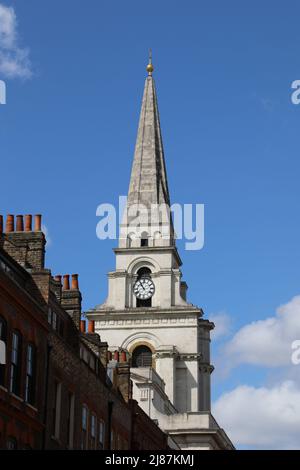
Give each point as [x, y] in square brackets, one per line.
[144, 288]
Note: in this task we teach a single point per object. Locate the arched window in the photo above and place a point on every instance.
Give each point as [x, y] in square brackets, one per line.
[144, 272]
[3, 337]
[16, 363]
[142, 357]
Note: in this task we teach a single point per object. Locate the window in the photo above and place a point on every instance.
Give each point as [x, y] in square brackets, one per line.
[56, 410]
[71, 403]
[84, 355]
[3, 337]
[11, 443]
[54, 321]
[84, 427]
[16, 363]
[144, 239]
[92, 362]
[144, 272]
[144, 394]
[144, 302]
[61, 328]
[49, 315]
[101, 433]
[142, 357]
[30, 374]
[93, 431]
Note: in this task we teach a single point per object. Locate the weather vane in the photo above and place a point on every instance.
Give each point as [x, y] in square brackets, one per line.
[150, 67]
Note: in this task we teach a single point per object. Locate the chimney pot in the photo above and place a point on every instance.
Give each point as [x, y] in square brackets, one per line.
[91, 326]
[28, 223]
[123, 356]
[58, 278]
[116, 356]
[75, 285]
[82, 326]
[66, 285]
[1, 224]
[38, 223]
[19, 224]
[10, 224]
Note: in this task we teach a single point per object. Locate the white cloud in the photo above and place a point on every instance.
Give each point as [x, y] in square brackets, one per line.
[266, 342]
[222, 323]
[14, 60]
[261, 418]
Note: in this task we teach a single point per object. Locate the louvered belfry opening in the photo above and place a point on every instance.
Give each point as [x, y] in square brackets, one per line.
[142, 357]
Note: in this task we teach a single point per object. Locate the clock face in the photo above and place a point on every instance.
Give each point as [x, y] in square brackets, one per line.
[143, 288]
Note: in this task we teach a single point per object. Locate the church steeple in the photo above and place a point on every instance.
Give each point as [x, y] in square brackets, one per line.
[148, 182]
[146, 311]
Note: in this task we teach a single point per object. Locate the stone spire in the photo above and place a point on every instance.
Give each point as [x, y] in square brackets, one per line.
[148, 182]
[148, 203]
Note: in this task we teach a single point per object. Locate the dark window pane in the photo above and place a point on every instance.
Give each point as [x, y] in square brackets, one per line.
[11, 443]
[3, 337]
[16, 363]
[142, 357]
[30, 374]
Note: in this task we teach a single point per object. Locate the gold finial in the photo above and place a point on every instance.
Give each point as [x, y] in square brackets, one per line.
[150, 67]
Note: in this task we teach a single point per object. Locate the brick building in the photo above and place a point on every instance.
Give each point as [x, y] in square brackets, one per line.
[59, 386]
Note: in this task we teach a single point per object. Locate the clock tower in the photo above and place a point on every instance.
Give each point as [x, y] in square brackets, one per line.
[146, 312]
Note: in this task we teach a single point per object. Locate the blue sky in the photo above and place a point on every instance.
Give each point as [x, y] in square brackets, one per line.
[223, 73]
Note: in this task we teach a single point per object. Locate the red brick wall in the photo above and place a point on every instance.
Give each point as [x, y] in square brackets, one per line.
[18, 419]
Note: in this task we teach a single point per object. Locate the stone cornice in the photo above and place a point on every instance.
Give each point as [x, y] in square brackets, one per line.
[151, 249]
[144, 322]
[139, 318]
[143, 312]
[178, 356]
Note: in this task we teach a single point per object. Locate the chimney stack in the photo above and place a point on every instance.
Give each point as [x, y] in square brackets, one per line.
[56, 287]
[123, 377]
[25, 246]
[71, 298]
